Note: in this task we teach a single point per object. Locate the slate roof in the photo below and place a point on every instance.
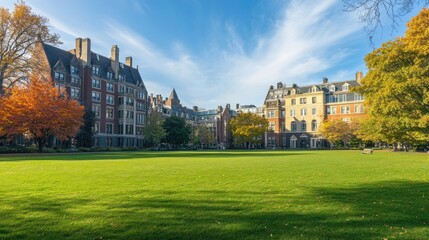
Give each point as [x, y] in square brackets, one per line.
[55, 54]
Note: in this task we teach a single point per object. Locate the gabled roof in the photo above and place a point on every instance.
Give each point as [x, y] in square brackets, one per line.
[55, 54]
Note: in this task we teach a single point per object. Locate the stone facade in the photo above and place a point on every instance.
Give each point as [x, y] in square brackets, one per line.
[295, 113]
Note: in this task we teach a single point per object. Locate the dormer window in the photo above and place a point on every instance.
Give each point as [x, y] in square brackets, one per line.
[293, 92]
[345, 87]
[59, 76]
[73, 70]
[314, 89]
[121, 77]
[95, 70]
[332, 88]
[109, 75]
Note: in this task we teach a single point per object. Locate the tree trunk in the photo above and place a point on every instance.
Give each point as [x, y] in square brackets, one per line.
[40, 143]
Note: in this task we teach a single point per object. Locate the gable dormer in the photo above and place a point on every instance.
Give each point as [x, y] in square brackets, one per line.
[345, 87]
[59, 71]
[315, 88]
[332, 88]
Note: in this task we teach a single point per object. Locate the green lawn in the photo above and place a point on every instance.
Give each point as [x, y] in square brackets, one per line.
[215, 195]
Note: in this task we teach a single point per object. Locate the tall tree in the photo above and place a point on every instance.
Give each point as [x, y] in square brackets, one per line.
[85, 136]
[248, 128]
[39, 111]
[371, 12]
[396, 87]
[177, 132]
[153, 132]
[19, 31]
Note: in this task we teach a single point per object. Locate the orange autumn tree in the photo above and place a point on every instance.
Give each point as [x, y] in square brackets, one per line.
[39, 110]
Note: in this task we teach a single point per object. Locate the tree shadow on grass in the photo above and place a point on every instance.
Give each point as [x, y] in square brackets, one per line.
[148, 155]
[396, 209]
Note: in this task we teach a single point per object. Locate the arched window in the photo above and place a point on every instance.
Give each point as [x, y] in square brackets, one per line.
[293, 126]
[314, 125]
[303, 126]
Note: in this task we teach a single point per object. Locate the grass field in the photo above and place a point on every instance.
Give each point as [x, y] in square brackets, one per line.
[215, 195]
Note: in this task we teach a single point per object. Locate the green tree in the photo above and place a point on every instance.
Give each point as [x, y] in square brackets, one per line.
[19, 31]
[85, 136]
[177, 132]
[203, 135]
[396, 87]
[248, 128]
[153, 132]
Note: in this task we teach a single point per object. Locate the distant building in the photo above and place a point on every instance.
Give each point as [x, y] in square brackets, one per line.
[112, 89]
[295, 113]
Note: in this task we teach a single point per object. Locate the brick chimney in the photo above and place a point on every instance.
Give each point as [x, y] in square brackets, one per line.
[78, 50]
[359, 76]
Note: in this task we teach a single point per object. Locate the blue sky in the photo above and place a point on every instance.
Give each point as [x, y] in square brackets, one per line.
[215, 52]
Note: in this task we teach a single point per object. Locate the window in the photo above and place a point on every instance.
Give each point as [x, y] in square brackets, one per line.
[121, 100]
[358, 97]
[96, 110]
[109, 128]
[272, 126]
[343, 98]
[303, 126]
[293, 101]
[328, 110]
[75, 81]
[96, 96]
[271, 114]
[130, 101]
[313, 111]
[140, 95]
[332, 88]
[293, 126]
[313, 100]
[121, 88]
[303, 100]
[109, 113]
[109, 142]
[130, 114]
[292, 112]
[74, 92]
[95, 83]
[130, 90]
[121, 77]
[59, 76]
[129, 129]
[283, 113]
[97, 127]
[120, 113]
[345, 109]
[95, 70]
[109, 99]
[314, 125]
[303, 111]
[109, 75]
[60, 87]
[109, 87]
[140, 106]
[121, 129]
[139, 118]
[292, 143]
[345, 87]
[73, 70]
[333, 110]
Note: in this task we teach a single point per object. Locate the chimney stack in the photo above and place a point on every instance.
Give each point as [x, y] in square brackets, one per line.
[129, 61]
[78, 51]
[114, 57]
[359, 77]
[86, 51]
